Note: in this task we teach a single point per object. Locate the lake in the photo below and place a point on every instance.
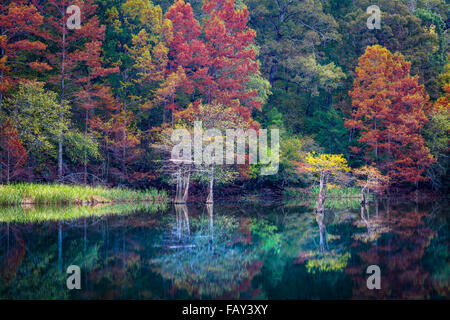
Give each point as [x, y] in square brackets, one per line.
[232, 250]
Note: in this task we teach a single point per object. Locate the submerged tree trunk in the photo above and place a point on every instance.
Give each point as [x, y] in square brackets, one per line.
[183, 181]
[178, 187]
[322, 232]
[187, 181]
[182, 222]
[210, 209]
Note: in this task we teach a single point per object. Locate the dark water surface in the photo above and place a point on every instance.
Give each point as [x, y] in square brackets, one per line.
[239, 250]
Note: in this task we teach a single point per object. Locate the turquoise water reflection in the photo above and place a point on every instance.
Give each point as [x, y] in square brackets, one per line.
[234, 250]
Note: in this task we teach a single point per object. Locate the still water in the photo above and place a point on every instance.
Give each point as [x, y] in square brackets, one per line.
[232, 250]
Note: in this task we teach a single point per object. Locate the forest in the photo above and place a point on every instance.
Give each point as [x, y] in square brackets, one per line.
[92, 96]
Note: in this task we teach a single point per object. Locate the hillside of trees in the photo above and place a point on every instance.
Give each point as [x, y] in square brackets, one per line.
[97, 104]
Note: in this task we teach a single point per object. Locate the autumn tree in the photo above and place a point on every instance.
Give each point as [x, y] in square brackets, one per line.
[212, 67]
[12, 153]
[369, 179]
[121, 140]
[402, 30]
[215, 120]
[92, 95]
[389, 112]
[19, 21]
[73, 54]
[195, 143]
[137, 43]
[324, 167]
[142, 53]
[218, 58]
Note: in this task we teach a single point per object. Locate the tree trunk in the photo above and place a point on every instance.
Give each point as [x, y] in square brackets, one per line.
[85, 149]
[124, 137]
[1, 81]
[363, 194]
[376, 142]
[63, 61]
[273, 71]
[187, 181]
[308, 106]
[322, 232]
[211, 187]
[210, 209]
[322, 193]
[182, 186]
[8, 167]
[178, 198]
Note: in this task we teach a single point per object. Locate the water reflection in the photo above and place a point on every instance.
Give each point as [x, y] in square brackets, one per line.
[232, 251]
[206, 261]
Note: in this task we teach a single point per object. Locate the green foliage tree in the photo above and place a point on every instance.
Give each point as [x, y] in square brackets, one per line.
[36, 113]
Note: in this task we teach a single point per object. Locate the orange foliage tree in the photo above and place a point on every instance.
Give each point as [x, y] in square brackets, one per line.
[18, 20]
[370, 178]
[389, 111]
[75, 55]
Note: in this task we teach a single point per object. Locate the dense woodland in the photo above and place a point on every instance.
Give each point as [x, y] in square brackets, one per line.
[97, 104]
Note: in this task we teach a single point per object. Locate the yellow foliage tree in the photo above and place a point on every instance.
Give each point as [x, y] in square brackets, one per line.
[324, 166]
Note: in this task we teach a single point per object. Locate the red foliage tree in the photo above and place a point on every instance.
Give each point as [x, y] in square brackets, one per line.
[390, 111]
[18, 20]
[75, 54]
[92, 95]
[121, 142]
[218, 60]
[188, 51]
[233, 60]
[13, 154]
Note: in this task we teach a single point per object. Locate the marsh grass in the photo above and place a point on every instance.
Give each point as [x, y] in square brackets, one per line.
[36, 214]
[59, 194]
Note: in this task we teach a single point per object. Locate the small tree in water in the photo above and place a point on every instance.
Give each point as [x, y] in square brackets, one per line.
[370, 179]
[323, 167]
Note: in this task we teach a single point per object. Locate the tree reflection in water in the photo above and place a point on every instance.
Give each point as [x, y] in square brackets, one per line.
[231, 250]
[401, 247]
[321, 258]
[206, 261]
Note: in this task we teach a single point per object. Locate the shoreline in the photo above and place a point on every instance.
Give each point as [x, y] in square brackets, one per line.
[60, 194]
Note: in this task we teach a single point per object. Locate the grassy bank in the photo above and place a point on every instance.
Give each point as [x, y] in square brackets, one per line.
[58, 194]
[36, 214]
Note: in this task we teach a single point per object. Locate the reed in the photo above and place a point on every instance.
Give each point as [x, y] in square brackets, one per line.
[60, 194]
